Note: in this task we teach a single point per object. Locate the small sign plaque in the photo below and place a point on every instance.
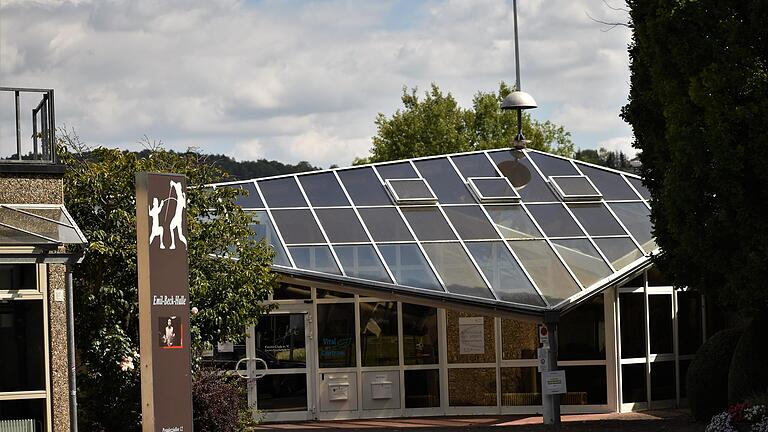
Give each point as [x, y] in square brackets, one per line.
[554, 382]
[544, 336]
[542, 359]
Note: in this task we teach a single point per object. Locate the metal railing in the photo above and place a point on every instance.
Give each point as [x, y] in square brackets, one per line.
[43, 127]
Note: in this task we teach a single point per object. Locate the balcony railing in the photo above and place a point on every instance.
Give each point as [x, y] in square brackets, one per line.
[35, 140]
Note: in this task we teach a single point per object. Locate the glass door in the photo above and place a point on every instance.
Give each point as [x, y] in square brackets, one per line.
[282, 340]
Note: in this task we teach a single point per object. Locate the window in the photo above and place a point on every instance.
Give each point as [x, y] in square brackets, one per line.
[574, 188]
[336, 335]
[16, 277]
[420, 346]
[378, 334]
[422, 388]
[361, 261]
[408, 266]
[493, 189]
[323, 190]
[581, 333]
[412, 191]
[282, 192]
[22, 364]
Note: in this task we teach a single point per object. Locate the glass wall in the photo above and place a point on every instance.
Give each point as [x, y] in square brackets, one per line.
[656, 347]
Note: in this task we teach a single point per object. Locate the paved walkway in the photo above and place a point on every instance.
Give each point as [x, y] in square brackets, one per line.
[666, 420]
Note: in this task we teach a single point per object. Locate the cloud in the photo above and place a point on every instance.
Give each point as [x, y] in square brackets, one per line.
[623, 144]
[302, 80]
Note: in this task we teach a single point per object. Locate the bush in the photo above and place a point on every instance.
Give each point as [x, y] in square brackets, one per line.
[707, 379]
[748, 374]
[220, 402]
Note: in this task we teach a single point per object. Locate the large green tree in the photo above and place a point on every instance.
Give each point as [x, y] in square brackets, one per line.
[698, 106]
[437, 124]
[229, 293]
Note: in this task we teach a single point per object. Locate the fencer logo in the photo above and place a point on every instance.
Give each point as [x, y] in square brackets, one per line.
[175, 226]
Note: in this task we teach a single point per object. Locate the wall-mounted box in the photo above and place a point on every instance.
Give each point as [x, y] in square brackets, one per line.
[338, 391]
[381, 390]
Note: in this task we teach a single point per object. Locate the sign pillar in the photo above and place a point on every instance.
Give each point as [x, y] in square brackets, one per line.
[552, 380]
[161, 249]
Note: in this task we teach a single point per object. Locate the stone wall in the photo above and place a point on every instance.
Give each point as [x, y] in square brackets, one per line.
[57, 313]
[31, 189]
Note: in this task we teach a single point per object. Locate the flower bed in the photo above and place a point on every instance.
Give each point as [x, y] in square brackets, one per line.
[740, 418]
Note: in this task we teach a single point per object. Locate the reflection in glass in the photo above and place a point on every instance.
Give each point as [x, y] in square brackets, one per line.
[341, 225]
[520, 386]
[583, 259]
[262, 229]
[610, 184]
[282, 192]
[283, 392]
[286, 291]
[24, 409]
[586, 385]
[513, 222]
[596, 219]
[456, 270]
[428, 223]
[361, 261]
[660, 320]
[637, 218]
[519, 339]
[689, 321]
[364, 187]
[336, 334]
[323, 190]
[472, 387]
[408, 266]
[280, 341]
[22, 366]
[632, 313]
[633, 384]
[555, 220]
[378, 334]
[537, 189]
[471, 223]
[638, 184]
[317, 258]
[420, 343]
[546, 269]
[474, 165]
[621, 251]
[399, 170]
[327, 294]
[581, 333]
[504, 273]
[663, 381]
[422, 388]
[552, 166]
[14, 277]
[298, 226]
[385, 224]
[448, 186]
[251, 197]
[17, 221]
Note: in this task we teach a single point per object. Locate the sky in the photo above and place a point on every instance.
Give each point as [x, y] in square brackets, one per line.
[304, 80]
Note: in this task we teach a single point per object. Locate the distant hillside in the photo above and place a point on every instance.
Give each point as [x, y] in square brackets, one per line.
[244, 170]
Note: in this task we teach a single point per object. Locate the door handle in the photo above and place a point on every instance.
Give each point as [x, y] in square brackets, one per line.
[247, 375]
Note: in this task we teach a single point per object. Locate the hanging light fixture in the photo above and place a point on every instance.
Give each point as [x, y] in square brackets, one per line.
[517, 173]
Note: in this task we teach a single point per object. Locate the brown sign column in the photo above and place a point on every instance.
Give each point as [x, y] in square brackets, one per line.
[161, 246]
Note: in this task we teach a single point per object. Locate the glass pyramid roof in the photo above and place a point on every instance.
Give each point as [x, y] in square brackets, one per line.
[455, 228]
[38, 224]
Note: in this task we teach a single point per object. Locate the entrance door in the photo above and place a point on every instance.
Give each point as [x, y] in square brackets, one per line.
[283, 340]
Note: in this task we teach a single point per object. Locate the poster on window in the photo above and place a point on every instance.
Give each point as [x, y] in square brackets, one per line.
[471, 335]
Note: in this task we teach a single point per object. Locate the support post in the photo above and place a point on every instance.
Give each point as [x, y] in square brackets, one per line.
[551, 402]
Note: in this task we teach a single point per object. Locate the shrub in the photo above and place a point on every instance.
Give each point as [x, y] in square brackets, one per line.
[707, 379]
[220, 402]
[748, 375]
[740, 418]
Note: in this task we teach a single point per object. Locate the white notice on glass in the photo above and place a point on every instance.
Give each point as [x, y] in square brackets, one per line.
[471, 336]
[554, 382]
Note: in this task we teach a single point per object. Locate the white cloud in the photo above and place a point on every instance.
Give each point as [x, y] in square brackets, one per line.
[302, 80]
[623, 144]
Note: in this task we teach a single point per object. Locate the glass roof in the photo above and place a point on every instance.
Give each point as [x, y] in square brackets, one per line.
[427, 227]
[37, 225]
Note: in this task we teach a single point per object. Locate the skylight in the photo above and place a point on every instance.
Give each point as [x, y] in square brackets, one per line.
[574, 188]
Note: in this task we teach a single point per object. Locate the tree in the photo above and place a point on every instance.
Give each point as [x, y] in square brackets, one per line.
[698, 107]
[615, 159]
[438, 125]
[229, 293]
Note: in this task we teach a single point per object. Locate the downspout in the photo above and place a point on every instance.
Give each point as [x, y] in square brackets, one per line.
[71, 351]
